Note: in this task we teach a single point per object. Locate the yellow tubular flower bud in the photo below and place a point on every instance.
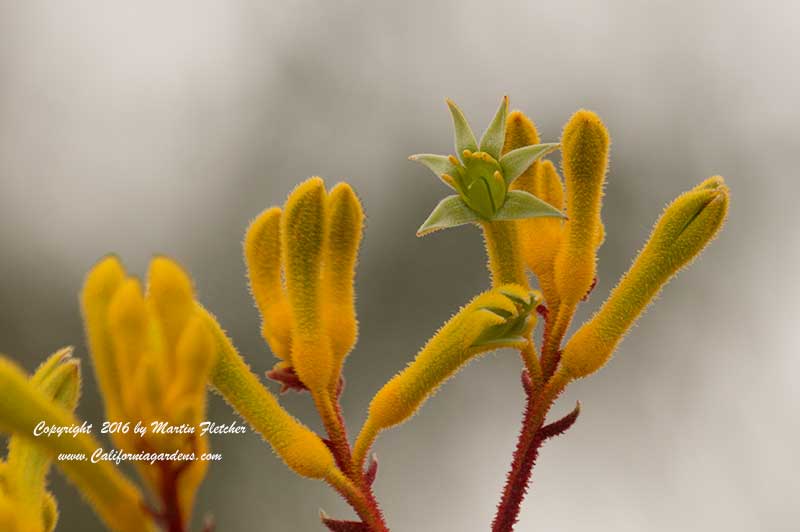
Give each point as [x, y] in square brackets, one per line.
[140, 354]
[170, 292]
[300, 448]
[61, 382]
[521, 132]
[59, 379]
[687, 225]
[99, 287]
[113, 496]
[584, 148]
[52, 362]
[548, 187]
[128, 323]
[541, 237]
[344, 227]
[195, 356]
[302, 245]
[262, 251]
[538, 237]
[455, 344]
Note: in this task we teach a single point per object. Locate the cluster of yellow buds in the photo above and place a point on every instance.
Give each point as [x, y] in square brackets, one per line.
[152, 354]
[301, 265]
[562, 254]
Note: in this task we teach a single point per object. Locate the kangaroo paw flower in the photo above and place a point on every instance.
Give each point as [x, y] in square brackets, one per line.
[497, 318]
[687, 226]
[152, 353]
[301, 264]
[482, 174]
[584, 147]
[300, 448]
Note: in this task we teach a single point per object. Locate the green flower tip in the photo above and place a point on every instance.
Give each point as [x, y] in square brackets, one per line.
[481, 176]
[518, 323]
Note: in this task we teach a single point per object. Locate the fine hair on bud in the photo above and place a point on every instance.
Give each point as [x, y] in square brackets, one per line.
[685, 228]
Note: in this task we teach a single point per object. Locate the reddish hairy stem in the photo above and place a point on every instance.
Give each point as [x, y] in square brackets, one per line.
[361, 497]
[525, 455]
[556, 325]
[363, 503]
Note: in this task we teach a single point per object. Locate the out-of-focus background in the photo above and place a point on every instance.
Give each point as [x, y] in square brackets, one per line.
[146, 128]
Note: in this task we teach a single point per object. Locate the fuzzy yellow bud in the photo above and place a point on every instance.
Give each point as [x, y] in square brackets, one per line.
[547, 185]
[302, 243]
[161, 355]
[100, 286]
[262, 249]
[25, 472]
[345, 219]
[195, 355]
[538, 237]
[584, 148]
[497, 318]
[521, 132]
[300, 448]
[687, 225]
[129, 327]
[171, 294]
[114, 497]
[301, 263]
[541, 237]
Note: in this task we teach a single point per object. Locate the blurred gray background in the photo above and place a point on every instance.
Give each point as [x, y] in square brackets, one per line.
[164, 127]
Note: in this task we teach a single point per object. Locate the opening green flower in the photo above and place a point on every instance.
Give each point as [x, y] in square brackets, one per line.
[482, 177]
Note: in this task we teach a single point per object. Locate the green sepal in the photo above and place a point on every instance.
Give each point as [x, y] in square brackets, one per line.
[506, 335]
[495, 135]
[503, 313]
[515, 331]
[438, 164]
[515, 162]
[518, 300]
[450, 212]
[464, 137]
[520, 205]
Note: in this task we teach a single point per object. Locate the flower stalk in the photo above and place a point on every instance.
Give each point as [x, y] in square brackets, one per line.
[561, 253]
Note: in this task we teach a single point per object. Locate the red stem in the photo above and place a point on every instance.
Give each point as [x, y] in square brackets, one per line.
[525, 455]
[365, 504]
